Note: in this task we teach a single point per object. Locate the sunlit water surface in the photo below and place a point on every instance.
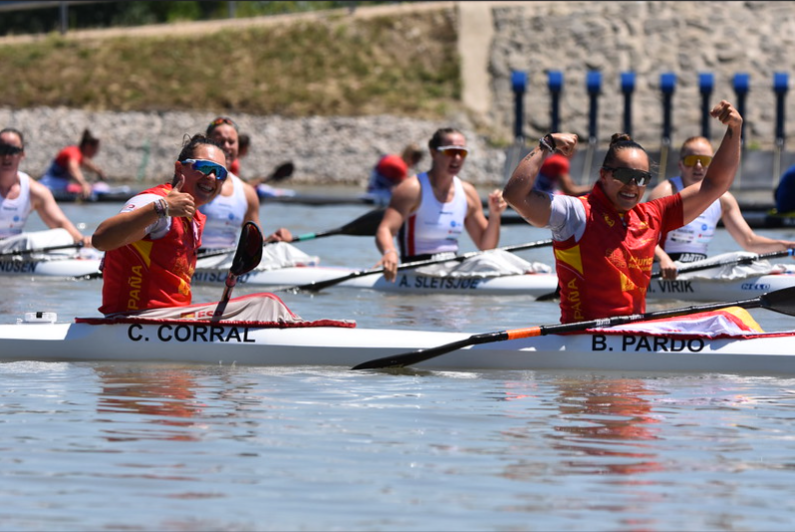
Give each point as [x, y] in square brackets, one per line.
[124, 446]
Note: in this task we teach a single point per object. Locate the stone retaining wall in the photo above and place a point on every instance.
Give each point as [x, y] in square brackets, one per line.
[338, 150]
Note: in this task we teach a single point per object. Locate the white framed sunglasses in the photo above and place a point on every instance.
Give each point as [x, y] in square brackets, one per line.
[452, 151]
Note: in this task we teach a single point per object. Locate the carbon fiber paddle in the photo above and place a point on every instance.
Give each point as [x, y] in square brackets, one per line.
[364, 225]
[247, 257]
[782, 301]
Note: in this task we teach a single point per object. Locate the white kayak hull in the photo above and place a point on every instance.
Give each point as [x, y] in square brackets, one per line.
[408, 282]
[58, 267]
[718, 290]
[229, 344]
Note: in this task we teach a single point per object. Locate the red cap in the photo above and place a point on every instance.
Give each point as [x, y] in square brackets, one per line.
[555, 165]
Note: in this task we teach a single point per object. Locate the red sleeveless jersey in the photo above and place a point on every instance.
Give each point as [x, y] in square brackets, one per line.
[608, 271]
[149, 273]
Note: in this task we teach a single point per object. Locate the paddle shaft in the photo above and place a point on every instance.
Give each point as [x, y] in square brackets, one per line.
[320, 285]
[365, 225]
[231, 281]
[76, 245]
[740, 260]
[779, 301]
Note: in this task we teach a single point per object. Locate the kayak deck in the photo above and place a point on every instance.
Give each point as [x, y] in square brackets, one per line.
[233, 344]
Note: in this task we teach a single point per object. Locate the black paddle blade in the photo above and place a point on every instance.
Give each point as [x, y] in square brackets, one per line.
[249, 250]
[414, 357]
[282, 172]
[782, 301]
[365, 225]
[421, 355]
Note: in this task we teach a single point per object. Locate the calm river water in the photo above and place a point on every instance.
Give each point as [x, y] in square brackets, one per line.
[175, 448]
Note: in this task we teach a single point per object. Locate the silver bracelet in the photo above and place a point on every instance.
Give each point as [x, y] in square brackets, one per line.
[547, 142]
[161, 208]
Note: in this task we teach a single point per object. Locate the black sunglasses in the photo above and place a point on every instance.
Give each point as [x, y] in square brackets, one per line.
[626, 175]
[8, 149]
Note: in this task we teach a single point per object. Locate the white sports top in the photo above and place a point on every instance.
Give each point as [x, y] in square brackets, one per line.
[436, 226]
[225, 217]
[14, 212]
[695, 236]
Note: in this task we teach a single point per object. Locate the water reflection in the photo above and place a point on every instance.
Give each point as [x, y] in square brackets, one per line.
[610, 419]
[595, 425]
[165, 396]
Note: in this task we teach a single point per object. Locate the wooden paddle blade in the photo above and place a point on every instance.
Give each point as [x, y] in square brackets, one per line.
[249, 250]
[782, 301]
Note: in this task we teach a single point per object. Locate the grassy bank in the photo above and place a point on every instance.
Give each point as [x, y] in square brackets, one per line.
[405, 66]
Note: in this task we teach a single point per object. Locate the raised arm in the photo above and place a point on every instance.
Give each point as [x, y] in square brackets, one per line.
[534, 206]
[720, 174]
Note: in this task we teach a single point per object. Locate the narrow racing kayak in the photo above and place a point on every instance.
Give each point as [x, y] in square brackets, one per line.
[49, 266]
[408, 282]
[331, 343]
[717, 289]
[495, 272]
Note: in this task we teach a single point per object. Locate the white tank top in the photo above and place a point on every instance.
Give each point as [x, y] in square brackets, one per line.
[695, 236]
[14, 212]
[436, 226]
[225, 216]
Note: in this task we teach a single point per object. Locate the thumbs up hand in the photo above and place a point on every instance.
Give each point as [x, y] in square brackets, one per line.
[180, 204]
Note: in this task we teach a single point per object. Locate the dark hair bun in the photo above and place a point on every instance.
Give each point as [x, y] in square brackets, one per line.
[620, 137]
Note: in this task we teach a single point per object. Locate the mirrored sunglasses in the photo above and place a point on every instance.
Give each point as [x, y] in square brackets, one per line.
[10, 149]
[452, 151]
[691, 160]
[208, 167]
[626, 175]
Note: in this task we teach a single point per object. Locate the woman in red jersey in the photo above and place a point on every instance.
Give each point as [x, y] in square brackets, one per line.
[604, 242]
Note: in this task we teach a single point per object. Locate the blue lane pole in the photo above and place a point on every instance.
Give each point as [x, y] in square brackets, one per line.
[706, 82]
[628, 87]
[667, 86]
[742, 85]
[519, 85]
[780, 87]
[555, 82]
[593, 83]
